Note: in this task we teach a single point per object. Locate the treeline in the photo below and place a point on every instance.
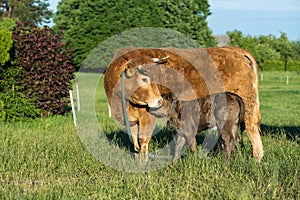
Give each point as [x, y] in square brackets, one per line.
[272, 53]
[88, 23]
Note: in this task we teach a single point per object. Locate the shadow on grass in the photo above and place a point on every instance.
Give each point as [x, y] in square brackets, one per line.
[160, 139]
[120, 138]
[291, 132]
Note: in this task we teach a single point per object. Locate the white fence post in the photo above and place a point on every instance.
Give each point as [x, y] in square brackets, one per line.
[73, 109]
[77, 96]
[287, 80]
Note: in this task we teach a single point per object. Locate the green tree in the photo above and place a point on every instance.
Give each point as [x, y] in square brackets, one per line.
[238, 39]
[285, 48]
[268, 49]
[33, 11]
[296, 49]
[88, 23]
[188, 17]
[264, 52]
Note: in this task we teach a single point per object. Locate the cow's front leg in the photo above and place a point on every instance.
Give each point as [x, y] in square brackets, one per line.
[134, 137]
[144, 141]
[145, 132]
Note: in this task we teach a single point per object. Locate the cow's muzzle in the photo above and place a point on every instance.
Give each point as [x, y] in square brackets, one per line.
[156, 103]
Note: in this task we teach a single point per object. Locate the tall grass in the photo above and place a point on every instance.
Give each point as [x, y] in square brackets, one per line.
[45, 159]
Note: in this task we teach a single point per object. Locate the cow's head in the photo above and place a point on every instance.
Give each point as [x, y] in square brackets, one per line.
[138, 84]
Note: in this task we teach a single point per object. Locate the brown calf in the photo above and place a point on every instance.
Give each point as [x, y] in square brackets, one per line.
[224, 110]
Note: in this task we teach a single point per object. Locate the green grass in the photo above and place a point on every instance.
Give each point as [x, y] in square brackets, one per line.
[45, 159]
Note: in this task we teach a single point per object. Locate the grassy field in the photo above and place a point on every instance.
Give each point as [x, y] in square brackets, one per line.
[46, 159]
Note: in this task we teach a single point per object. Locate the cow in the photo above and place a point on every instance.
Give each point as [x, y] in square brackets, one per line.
[223, 110]
[140, 95]
[222, 69]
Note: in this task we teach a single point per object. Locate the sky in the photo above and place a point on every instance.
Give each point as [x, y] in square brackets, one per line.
[252, 17]
[256, 17]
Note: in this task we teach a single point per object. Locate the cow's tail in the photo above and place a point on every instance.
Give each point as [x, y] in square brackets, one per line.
[242, 114]
[109, 111]
[251, 62]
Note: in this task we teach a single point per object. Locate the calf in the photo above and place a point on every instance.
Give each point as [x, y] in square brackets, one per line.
[224, 111]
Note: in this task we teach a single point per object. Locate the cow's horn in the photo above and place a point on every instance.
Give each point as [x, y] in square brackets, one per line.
[160, 60]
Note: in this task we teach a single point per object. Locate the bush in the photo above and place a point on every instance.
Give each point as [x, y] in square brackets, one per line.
[278, 65]
[7, 24]
[47, 68]
[14, 105]
[5, 46]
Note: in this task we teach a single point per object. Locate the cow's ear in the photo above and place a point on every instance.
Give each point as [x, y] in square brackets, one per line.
[160, 60]
[128, 72]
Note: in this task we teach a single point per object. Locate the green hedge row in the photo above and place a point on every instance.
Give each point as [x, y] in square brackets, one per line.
[278, 65]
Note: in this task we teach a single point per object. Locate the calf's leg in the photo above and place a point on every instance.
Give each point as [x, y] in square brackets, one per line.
[230, 138]
[179, 144]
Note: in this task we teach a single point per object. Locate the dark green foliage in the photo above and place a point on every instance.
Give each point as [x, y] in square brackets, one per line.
[188, 17]
[101, 55]
[16, 106]
[2, 112]
[33, 11]
[47, 68]
[88, 23]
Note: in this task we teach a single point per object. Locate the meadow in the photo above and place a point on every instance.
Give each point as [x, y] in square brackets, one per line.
[46, 159]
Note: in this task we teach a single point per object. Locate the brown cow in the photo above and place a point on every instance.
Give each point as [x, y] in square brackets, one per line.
[140, 95]
[207, 71]
[223, 110]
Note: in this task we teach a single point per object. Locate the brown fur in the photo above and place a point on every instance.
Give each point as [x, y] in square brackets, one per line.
[228, 69]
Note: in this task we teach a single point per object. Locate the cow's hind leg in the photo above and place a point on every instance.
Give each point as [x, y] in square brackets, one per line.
[254, 134]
